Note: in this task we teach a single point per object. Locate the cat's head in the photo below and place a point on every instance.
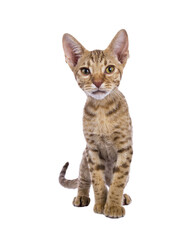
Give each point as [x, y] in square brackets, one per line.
[97, 72]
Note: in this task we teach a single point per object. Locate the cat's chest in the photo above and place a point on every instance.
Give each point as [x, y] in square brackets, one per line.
[101, 124]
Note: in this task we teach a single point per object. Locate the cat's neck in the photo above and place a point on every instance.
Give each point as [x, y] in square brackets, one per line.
[115, 95]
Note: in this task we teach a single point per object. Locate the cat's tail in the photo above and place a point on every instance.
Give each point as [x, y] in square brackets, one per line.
[67, 183]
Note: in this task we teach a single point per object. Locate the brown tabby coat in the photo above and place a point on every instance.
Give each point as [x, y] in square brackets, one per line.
[106, 123]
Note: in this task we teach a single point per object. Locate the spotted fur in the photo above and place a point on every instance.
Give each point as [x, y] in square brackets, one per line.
[106, 125]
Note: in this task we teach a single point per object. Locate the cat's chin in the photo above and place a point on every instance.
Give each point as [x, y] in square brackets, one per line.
[99, 95]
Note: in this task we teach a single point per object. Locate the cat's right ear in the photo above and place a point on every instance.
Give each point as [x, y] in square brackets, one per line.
[73, 50]
[119, 46]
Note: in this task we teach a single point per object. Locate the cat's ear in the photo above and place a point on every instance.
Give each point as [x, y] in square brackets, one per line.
[119, 46]
[73, 50]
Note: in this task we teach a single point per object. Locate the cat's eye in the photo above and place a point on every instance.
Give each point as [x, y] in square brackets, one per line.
[109, 69]
[85, 71]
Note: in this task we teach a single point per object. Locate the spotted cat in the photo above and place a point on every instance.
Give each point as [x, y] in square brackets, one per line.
[106, 124]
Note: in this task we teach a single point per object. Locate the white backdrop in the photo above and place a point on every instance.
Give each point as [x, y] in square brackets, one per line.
[41, 110]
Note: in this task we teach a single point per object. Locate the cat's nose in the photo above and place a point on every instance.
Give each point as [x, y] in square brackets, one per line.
[97, 83]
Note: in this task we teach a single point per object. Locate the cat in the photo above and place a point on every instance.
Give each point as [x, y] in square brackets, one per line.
[106, 125]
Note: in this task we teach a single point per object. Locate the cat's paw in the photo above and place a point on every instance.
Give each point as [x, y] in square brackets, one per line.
[113, 211]
[99, 208]
[81, 201]
[126, 199]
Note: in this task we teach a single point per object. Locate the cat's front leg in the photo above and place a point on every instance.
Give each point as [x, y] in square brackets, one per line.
[97, 169]
[113, 207]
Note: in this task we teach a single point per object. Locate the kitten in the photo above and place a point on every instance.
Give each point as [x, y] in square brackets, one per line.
[106, 125]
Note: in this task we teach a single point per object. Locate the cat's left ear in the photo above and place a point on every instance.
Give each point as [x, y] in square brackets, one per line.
[73, 50]
[119, 46]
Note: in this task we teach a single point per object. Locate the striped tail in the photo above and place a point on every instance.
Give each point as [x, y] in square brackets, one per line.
[67, 183]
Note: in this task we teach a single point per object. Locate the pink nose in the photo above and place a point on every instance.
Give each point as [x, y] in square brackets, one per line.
[97, 83]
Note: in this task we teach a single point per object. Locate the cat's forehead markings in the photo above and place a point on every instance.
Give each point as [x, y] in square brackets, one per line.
[92, 57]
[88, 63]
[97, 56]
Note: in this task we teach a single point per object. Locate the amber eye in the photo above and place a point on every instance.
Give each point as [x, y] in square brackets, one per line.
[85, 71]
[109, 69]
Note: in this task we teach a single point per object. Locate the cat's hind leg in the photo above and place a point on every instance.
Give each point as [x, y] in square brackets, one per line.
[126, 199]
[84, 183]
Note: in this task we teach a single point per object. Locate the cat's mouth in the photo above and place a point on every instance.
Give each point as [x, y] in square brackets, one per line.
[98, 92]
